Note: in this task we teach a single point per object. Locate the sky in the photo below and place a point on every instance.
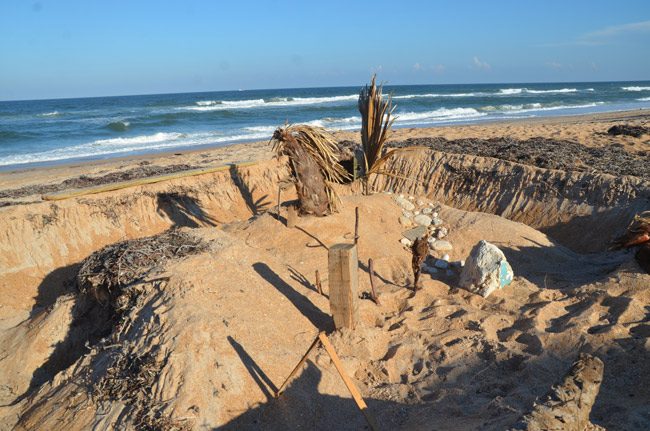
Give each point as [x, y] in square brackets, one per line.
[67, 48]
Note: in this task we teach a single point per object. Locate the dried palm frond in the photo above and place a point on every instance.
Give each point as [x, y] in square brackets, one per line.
[313, 155]
[376, 122]
[638, 232]
[419, 249]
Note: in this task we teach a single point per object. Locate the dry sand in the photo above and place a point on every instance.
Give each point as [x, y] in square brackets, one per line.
[207, 337]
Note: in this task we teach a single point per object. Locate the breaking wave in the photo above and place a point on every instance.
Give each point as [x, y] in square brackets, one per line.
[634, 88]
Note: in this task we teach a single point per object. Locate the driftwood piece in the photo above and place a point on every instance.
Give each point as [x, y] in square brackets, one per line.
[568, 405]
[420, 249]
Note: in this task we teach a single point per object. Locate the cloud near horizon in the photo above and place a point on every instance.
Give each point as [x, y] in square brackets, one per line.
[481, 65]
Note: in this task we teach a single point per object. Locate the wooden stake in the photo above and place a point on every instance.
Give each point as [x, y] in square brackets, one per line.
[297, 367]
[356, 225]
[292, 215]
[352, 388]
[279, 193]
[319, 286]
[348, 382]
[343, 285]
[371, 272]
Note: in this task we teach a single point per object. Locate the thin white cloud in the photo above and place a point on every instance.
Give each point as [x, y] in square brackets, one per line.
[604, 35]
[417, 67]
[554, 65]
[439, 68]
[481, 65]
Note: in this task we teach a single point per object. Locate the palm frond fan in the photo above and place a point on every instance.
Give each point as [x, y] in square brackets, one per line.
[313, 158]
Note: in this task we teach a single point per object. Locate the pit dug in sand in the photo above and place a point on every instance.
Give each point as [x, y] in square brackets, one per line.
[211, 335]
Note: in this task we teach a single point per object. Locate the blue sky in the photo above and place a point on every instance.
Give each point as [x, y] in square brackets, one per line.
[65, 48]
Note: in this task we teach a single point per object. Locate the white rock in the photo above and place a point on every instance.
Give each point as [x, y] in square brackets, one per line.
[405, 221]
[427, 210]
[422, 220]
[401, 196]
[445, 257]
[437, 221]
[406, 242]
[486, 270]
[416, 212]
[441, 245]
[411, 198]
[407, 214]
[441, 264]
[434, 214]
[442, 232]
[419, 202]
[406, 205]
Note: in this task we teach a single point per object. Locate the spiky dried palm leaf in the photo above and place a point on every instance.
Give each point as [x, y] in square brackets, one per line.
[313, 155]
[376, 122]
[638, 232]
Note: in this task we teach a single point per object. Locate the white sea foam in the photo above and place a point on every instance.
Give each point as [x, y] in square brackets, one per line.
[644, 99]
[50, 114]
[555, 108]
[212, 105]
[634, 88]
[116, 146]
[431, 95]
[510, 91]
[560, 90]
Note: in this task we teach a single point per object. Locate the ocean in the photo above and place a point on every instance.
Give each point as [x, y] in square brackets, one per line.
[45, 132]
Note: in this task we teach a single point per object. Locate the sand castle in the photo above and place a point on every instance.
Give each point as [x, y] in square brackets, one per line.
[188, 302]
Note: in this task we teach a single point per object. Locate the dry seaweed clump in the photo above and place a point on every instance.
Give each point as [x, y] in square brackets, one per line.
[109, 273]
[130, 378]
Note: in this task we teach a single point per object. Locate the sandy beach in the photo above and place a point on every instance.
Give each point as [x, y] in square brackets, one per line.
[202, 325]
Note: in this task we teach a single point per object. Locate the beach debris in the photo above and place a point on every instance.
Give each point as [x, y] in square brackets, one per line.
[376, 121]
[567, 406]
[107, 274]
[371, 273]
[406, 242]
[637, 234]
[313, 158]
[485, 270]
[422, 220]
[628, 130]
[420, 250]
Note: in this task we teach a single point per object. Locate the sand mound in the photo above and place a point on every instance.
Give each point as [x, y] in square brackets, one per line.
[211, 335]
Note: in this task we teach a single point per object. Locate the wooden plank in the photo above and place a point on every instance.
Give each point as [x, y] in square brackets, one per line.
[343, 285]
[354, 391]
[67, 194]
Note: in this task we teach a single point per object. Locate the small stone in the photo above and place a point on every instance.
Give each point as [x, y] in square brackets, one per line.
[401, 196]
[419, 202]
[436, 221]
[445, 257]
[434, 214]
[427, 210]
[422, 220]
[406, 242]
[411, 198]
[405, 221]
[442, 232]
[415, 233]
[416, 212]
[441, 264]
[406, 205]
[441, 245]
[407, 214]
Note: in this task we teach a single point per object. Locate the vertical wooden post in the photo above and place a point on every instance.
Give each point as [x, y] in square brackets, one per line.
[319, 285]
[371, 272]
[292, 215]
[344, 285]
[356, 225]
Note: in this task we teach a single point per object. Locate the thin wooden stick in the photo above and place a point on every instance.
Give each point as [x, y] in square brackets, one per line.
[297, 367]
[356, 225]
[319, 286]
[371, 272]
[356, 395]
[279, 193]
